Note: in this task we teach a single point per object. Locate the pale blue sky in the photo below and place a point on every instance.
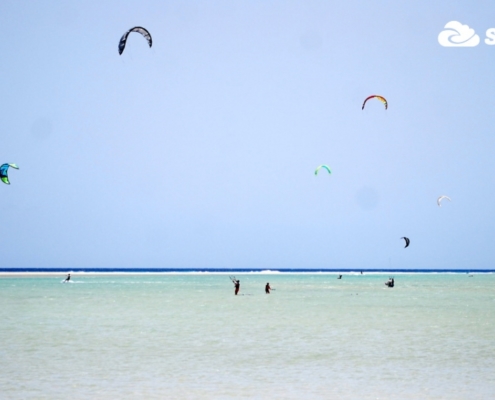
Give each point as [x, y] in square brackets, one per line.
[200, 152]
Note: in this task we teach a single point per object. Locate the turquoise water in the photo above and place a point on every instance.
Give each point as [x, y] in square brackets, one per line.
[187, 336]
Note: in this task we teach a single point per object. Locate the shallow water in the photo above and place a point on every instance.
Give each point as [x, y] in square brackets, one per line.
[187, 336]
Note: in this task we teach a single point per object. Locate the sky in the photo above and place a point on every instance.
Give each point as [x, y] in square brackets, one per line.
[200, 151]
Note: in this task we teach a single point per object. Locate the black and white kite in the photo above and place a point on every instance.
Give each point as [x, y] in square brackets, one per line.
[138, 29]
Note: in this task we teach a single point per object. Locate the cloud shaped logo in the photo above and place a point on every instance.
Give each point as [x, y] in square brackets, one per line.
[458, 35]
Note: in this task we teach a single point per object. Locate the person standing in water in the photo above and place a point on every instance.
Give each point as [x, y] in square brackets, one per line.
[68, 278]
[237, 286]
[390, 282]
[267, 288]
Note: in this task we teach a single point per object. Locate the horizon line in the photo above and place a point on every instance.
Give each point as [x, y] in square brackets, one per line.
[241, 270]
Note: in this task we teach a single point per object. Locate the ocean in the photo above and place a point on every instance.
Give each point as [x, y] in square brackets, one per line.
[186, 336]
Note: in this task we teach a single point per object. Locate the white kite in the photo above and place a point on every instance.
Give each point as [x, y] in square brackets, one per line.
[439, 200]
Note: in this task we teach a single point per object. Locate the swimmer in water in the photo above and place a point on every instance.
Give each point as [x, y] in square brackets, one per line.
[267, 288]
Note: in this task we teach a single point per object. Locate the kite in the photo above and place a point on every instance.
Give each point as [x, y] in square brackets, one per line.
[381, 98]
[407, 241]
[439, 200]
[323, 166]
[137, 29]
[3, 172]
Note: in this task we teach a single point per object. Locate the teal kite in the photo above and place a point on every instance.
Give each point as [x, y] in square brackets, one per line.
[3, 172]
[323, 166]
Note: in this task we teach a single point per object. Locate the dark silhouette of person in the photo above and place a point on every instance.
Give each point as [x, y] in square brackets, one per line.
[390, 282]
[340, 277]
[237, 286]
[267, 288]
[68, 278]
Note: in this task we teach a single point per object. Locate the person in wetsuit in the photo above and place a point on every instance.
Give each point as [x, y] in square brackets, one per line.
[390, 282]
[237, 286]
[68, 278]
[340, 277]
[267, 288]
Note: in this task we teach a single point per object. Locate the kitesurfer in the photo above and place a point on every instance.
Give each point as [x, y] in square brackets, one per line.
[237, 286]
[68, 278]
[390, 282]
[267, 288]
[340, 277]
